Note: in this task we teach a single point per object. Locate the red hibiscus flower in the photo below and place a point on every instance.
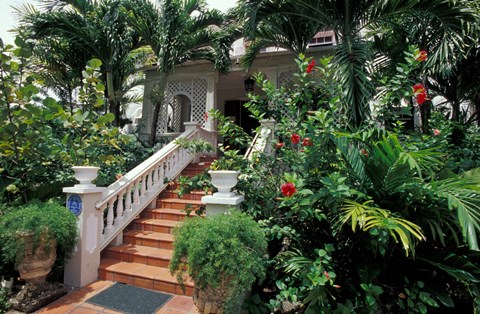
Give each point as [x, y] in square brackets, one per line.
[307, 142]
[205, 116]
[421, 55]
[295, 138]
[436, 132]
[421, 98]
[364, 152]
[421, 93]
[288, 189]
[418, 88]
[279, 145]
[310, 66]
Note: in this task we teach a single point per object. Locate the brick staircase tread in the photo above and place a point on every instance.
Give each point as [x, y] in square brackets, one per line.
[158, 222]
[149, 235]
[196, 192]
[141, 250]
[168, 211]
[140, 270]
[181, 201]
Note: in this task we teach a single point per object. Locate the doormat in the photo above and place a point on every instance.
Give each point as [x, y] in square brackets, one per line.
[130, 299]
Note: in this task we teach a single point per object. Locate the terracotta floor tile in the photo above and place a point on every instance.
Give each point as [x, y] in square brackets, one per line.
[170, 311]
[93, 307]
[57, 309]
[83, 310]
[180, 303]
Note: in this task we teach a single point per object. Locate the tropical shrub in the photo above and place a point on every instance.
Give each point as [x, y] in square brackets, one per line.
[360, 221]
[40, 141]
[224, 252]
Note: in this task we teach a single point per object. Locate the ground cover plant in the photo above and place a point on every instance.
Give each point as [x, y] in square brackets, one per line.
[366, 220]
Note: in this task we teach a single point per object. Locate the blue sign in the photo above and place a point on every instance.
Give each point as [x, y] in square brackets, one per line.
[74, 203]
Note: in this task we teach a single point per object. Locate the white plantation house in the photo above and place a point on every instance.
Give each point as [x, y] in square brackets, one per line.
[195, 88]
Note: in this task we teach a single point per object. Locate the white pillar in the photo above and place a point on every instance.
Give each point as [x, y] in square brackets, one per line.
[82, 268]
[210, 101]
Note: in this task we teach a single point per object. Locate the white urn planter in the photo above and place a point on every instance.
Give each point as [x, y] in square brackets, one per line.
[85, 175]
[224, 181]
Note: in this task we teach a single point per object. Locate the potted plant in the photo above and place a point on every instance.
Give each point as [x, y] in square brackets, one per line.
[34, 236]
[223, 255]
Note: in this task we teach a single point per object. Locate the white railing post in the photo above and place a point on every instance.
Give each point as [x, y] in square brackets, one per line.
[269, 125]
[82, 268]
[193, 126]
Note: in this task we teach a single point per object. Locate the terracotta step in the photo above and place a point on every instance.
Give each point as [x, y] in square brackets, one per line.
[149, 238]
[166, 213]
[194, 195]
[152, 224]
[191, 172]
[141, 275]
[178, 203]
[139, 254]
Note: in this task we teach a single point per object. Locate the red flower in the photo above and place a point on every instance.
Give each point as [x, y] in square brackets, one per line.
[421, 93]
[295, 138]
[288, 189]
[421, 98]
[336, 286]
[310, 66]
[418, 88]
[205, 116]
[279, 145]
[327, 275]
[364, 152]
[436, 132]
[421, 55]
[307, 142]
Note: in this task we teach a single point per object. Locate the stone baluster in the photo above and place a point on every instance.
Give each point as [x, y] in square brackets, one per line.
[128, 200]
[119, 217]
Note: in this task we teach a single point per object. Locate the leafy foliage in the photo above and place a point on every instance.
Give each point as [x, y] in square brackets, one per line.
[43, 220]
[373, 213]
[224, 252]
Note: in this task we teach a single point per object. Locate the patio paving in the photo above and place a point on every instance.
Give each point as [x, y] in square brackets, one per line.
[75, 302]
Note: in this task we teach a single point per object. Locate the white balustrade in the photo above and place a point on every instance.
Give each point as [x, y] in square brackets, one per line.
[127, 197]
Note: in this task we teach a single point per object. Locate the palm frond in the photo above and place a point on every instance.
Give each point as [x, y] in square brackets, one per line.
[462, 195]
[365, 217]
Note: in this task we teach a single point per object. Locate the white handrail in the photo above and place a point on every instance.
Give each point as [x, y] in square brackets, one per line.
[123, 200]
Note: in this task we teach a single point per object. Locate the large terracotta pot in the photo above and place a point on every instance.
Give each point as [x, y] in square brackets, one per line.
[224, 181]
[39, 257]
[209, 300]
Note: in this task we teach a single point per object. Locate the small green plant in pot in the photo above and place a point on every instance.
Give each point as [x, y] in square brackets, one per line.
[47, 231]
[223, 255]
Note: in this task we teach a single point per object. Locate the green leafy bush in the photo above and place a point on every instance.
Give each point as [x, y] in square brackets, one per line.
[49, 220]
[224, 251]
[362, 221]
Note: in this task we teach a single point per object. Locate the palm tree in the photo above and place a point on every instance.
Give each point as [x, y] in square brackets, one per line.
[351, 20]
[179, 31]
[293, 33]
[99, 28]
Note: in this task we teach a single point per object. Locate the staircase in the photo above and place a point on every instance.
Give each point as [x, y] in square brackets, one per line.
[142, 260]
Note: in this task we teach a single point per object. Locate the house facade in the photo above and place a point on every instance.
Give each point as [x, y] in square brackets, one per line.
[195, 88]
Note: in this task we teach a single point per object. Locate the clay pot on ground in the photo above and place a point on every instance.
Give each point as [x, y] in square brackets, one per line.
[38, 258]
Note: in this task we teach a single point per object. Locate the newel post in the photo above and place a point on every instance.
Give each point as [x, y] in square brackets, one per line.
[82, 268]
[220, 202]
[193, 126]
